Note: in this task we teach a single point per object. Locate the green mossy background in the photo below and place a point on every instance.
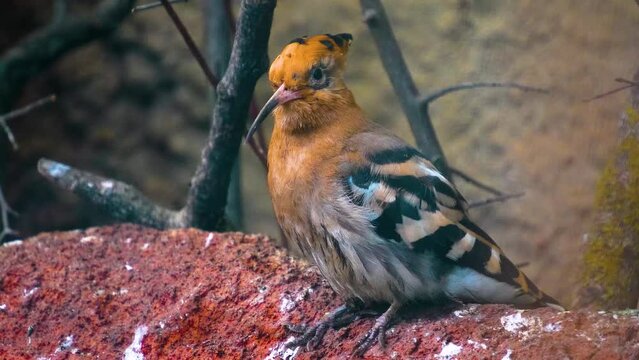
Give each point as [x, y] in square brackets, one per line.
[135, 107]
[612, 255]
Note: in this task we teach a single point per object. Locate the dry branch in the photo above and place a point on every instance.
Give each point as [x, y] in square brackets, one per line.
[249, 60]
[122, 201]
[403, 84]
[219, 32]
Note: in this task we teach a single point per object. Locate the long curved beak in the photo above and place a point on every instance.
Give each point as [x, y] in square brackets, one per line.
[281, 96]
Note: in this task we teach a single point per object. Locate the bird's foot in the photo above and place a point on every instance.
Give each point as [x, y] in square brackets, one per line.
[312, 336]
[378, 331]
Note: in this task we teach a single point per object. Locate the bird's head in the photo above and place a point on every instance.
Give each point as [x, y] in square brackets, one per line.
[306, 76]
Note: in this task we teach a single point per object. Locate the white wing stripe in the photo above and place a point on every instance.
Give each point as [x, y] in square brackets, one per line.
[461, 247]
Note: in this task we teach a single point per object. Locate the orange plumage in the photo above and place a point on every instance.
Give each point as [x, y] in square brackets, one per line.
[377, 218]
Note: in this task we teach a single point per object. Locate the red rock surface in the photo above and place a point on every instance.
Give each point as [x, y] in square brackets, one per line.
[124, 291]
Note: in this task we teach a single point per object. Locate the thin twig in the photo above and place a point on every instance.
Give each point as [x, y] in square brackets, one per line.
[607, 93]
[153, 5]
[5, 209]
[10, 136]
[523, 264]
[429, 98]
[469, 179]
[28, 108]
[189, 42]
[501, 198]
[19, 112]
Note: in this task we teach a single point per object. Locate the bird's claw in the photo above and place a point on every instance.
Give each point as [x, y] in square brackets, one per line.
[378, 331]
[298, 329]
[311, 337]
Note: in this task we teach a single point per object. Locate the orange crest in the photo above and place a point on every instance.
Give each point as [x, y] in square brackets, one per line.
[310, 61]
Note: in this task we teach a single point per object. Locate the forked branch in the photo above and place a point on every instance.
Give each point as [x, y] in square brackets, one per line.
[206, 199]
[416, 106]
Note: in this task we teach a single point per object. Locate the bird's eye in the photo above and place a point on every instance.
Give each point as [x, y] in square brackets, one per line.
[317, 74]
[318, 79]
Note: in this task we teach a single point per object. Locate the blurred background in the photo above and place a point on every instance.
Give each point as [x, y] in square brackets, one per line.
[135, 107]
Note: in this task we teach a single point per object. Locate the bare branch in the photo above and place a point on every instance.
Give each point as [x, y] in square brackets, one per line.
[403, 84]
[249, 60]
[153, 5]
[456, 172]
[429, 98]
[189, 42]
[501, 198]
[217, 48]
[121, 201]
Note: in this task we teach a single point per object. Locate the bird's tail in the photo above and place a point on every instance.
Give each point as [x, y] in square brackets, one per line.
[527, 294]
[541, 298]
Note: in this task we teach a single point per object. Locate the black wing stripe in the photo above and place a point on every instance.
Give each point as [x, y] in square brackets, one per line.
[416, 187]
[441, 241]
[477, 257]
[508, 269]
[386, 225]
[393, 156]
[407, 209]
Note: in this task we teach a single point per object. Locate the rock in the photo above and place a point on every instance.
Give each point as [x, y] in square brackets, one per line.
[133, 293]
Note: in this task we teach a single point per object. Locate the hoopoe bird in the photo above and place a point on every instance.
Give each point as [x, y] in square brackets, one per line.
[381, 223]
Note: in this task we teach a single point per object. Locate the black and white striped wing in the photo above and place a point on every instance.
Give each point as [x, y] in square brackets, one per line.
[407, 200]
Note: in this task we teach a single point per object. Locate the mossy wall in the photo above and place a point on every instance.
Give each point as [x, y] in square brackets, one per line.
[612, 255]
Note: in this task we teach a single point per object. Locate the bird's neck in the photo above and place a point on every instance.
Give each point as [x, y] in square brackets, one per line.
[319, 128]
[335, 110]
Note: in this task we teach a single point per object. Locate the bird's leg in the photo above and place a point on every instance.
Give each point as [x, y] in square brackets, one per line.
[378, 331]
[312, 336]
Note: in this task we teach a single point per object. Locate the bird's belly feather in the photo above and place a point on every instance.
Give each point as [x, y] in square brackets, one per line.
[355, 261]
